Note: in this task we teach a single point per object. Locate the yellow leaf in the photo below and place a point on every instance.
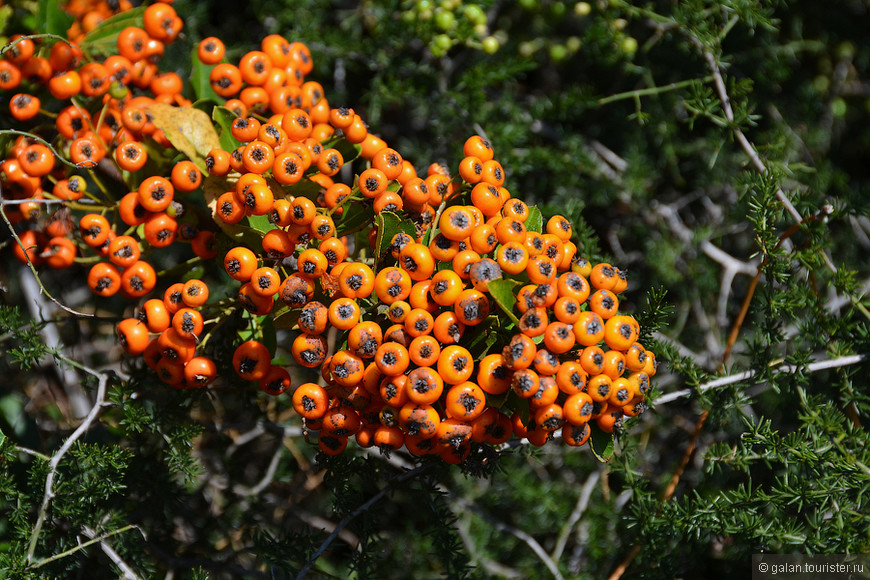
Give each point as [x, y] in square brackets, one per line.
[189, 130]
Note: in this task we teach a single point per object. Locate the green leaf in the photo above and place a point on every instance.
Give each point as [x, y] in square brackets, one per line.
[304, 188]
[535, 221]
[600, 443]
[284, 317]
[518, 405]
[52, 19]
[356, 216]
[389, 224]
[480, 339]
[104, 38]
[199, 80]
[260, 223]
[502, 291]
[269, 333]
[497, 401]
[224, 118]
[349, 151]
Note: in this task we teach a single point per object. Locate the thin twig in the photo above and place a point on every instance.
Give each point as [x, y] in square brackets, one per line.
[32, 267]
[347, 519]
[93, 540]
[267, 477]
[653, 90]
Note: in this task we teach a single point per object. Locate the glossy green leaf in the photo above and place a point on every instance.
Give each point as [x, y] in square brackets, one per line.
[349, 151]
[389, 224]
[199, 80]
[224, 118]
[356, 216]
[535, 221]
[502, 291]
[601, 443]
[284, 317]
[52, 19]
[304, 188]
[104, 38]
[260, 223]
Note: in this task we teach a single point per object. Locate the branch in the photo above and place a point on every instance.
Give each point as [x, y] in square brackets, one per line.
[517, 533]
[83, 428]
[579, 508]
[108, 550]
[94, 538]
[755, 158]
[842, 361]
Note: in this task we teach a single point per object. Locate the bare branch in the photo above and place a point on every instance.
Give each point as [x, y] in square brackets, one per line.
[842, 361]
[521, 535]
[53, 464]
[576, 514]
[126, 571]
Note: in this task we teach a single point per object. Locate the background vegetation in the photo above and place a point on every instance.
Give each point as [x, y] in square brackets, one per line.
[715, 149]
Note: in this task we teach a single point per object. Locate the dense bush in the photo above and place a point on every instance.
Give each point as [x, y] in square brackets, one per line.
[713, 150]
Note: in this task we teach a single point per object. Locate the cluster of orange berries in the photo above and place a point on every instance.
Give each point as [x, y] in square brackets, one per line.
[465, 318]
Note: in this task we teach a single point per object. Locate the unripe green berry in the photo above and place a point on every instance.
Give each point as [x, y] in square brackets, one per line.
[573, 43]
[490, 45]
[582, 9]
[443, 42]
[475, 14]
[558, 52]
[444, 20]
[118, 90]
